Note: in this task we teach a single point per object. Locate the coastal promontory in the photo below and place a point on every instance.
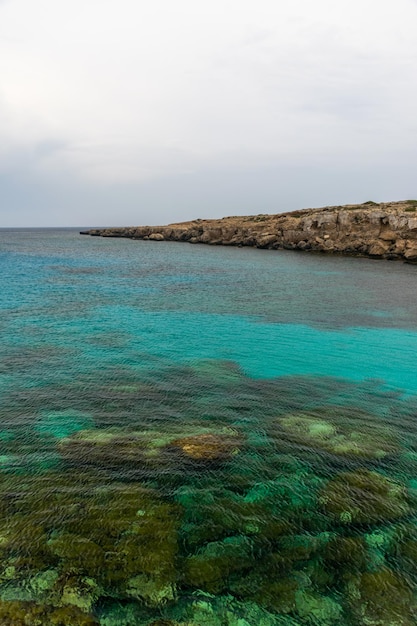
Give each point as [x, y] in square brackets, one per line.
[386, 230]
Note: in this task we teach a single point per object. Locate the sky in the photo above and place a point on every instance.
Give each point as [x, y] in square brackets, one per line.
[149, 112]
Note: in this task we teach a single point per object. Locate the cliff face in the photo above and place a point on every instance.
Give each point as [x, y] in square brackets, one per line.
[386, 230]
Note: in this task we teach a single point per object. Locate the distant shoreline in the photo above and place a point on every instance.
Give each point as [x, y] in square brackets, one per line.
[373, 230]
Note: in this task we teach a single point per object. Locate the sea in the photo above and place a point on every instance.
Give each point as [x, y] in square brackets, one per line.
[205, 435]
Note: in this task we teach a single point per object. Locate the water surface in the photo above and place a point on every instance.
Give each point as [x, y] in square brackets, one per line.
[205, 435]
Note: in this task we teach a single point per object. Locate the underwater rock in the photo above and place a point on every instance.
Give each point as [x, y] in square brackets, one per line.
[238, 547]
[277, 595]
[141, 546]
[80, 554]
[17, 591]
[343, 556]
[110, 534]
[44, 582]
[110, 449]
[149, 450]
[364, 497]
[289, 499]
[288, 492]
[32, 614]
[81, 592]
[341, 435]
[211, 517]
[204, 613]
[381, 598]
[317, 609]
[276, 577]
[382, 538]
[403, 551]
[208, 447]
[380, 544]
[227, 611]
[210, 568]
[23, 534]
[112, 612]
[209, 575]
[153, 591]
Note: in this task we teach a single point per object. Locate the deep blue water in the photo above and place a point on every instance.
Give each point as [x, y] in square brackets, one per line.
[206, 435]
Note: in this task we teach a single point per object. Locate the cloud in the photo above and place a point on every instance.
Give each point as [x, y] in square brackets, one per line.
[108, 94]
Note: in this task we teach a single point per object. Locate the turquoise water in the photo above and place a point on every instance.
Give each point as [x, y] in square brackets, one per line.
[205, 435]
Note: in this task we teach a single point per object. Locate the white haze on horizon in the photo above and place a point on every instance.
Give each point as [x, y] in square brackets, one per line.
[147, 112]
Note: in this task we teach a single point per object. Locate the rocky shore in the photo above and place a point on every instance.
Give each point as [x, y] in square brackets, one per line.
[386, 230]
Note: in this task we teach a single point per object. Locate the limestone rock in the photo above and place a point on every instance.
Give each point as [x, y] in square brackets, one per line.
[379, 248]
[369, 229]
[411, 254]
[156, 237]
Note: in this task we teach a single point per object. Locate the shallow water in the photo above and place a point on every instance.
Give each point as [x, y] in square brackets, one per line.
[205, 435]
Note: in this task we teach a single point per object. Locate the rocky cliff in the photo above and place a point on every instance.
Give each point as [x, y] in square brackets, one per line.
[385, 230]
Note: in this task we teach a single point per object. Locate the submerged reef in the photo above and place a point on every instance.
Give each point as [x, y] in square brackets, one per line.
[364, 497]
[381, 598]
[335, 432]
[81, 539]
[257, 506]
[152, 452]
[208, 447]
[15, 613]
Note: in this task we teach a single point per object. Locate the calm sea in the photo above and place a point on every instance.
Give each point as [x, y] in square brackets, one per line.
[205, 436]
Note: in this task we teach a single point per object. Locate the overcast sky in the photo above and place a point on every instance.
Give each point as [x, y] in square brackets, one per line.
[153, 111]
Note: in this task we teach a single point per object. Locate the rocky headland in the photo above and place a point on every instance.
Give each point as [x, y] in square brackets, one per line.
[386, 230]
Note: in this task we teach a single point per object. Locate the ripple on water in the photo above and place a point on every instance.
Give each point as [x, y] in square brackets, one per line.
[271, 510]
[207, 437]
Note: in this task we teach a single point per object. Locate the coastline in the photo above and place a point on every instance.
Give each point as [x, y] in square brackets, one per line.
[373, 230]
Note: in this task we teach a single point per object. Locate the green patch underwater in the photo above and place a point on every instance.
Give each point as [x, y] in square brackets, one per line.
[196, 495]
